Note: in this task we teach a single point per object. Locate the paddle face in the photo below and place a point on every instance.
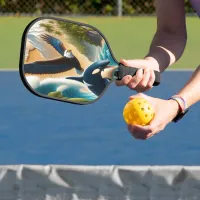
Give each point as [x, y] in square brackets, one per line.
[66, 61]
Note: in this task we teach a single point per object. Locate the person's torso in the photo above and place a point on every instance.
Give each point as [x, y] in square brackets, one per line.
[196, 6]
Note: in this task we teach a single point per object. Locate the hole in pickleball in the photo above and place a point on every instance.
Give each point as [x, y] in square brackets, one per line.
[142, 109]
[146, 115]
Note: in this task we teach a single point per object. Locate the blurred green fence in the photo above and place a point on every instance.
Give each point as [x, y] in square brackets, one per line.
[80, 7]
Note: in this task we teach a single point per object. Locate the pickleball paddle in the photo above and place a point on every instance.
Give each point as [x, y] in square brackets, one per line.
[69, 61]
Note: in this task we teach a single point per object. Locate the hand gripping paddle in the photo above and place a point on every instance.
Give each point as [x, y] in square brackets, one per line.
[68, 61]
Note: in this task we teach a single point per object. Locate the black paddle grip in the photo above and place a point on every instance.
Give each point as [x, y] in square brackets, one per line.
[124, 71]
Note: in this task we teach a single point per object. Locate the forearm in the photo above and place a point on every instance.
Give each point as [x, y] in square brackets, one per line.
[170, 38]
[191, 91]
[167, 48]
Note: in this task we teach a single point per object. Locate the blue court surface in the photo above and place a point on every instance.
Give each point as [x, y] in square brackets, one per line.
[34, 130]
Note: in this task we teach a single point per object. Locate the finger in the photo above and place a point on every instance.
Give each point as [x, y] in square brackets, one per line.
[156, 127]
[134, 133]
[139, 136]
[143, 85]
[125, 80]
[145, 130]
[148, 88]
[146, 76]
[142, 131]
[131, 63]
[136, 79]
[130, 127]
[156, 131]
[151, 79]
[137, 133]
[141, 89]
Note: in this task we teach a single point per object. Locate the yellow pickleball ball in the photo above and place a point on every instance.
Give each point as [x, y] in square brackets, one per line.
[138, 112]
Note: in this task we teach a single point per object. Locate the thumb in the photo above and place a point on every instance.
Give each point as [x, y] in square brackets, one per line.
[155, 123]
[134, 63]
[149, 129]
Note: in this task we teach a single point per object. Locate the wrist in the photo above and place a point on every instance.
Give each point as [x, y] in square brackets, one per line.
[181, 102]
[182, 107]
[163, 56]
[154, 63]
[174, 106]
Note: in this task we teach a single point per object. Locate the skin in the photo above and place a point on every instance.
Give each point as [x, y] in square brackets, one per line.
[166, 110]
[171, 36]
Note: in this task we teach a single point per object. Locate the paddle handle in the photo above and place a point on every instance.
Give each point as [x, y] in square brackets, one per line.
[124, 71]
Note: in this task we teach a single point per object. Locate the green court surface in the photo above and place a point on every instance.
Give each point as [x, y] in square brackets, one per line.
[129, 38]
